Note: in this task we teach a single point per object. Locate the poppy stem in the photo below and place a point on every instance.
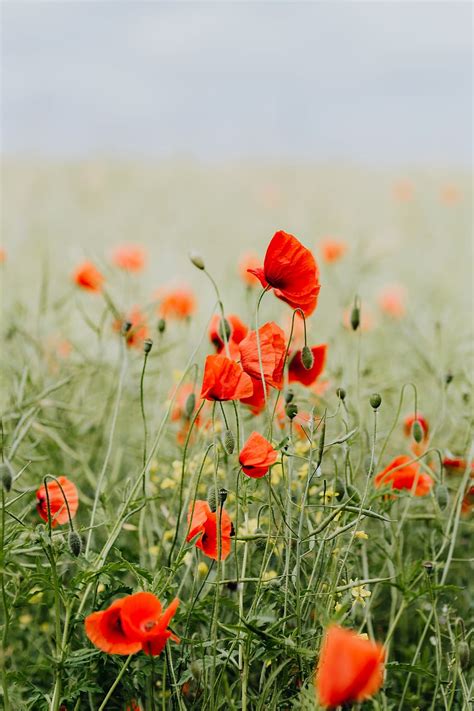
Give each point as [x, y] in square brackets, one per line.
[116, 683]
[221, 308]
[145, 429]
[6, 616]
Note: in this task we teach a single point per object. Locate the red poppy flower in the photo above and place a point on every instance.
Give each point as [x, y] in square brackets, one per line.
[298, 373]
[247, 262]
[333, 249]
[401, 473]
[291, 270]
[224, 380]
[130, 624]
[350, 667]
[410, 420]
[57, 504]
[3, 255]
[88, 277]
[257, 456]
[467, 506]
[456, 465]
[204, 522]
[392, 300]
[139, 330]
[238, 331]
[129, 257]
[272, 351]
[256, 401]
[177, 303]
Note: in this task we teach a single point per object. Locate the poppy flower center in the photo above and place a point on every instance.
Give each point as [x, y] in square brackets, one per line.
[149, 625]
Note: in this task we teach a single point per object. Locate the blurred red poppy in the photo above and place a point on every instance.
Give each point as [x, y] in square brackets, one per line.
[247, 262]
[224, 380]
[272, 353]
[138, 331]
[88, 277]
[238, 331]
[457, 465]
[57, 500]
[177, 303]
[291, 270]
[298, 373]
[256, 401]
[402, 473]
[392, 300]
[3, 255]
[332, 249]
[257, 455]
[203, 522]
[350, 668]
[130, 257]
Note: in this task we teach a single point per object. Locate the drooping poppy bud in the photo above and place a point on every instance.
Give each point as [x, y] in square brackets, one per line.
[417, 431]
[196, 259]
[464, 654]
[211, 498]
[307, 357]
[75, 543]
[229, 441]
[190, 405]
[442, 496]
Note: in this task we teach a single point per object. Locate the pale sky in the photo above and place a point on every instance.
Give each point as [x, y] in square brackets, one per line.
[366, 82]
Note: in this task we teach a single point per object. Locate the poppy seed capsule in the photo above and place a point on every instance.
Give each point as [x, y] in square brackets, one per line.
[289, 395]
[417, 431]
[6, 476]
[75, 543]
[442, 496]
[375, 401]
[222, 496]
[229, 441]
[196, 259]
[307, 357]
[341, 394]
[161, 325]
[355, 318]
[291, 410]
[189, 405]
[126, 326]
[147, 345]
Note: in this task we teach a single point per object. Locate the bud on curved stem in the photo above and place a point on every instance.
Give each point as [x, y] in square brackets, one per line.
[355, 314]
[197, 260]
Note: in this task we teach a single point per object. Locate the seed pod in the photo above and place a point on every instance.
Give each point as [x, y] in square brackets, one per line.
[291, 410]
[375, 401]
[224, 329]
[196, 259]
[147, 345]
[6, 475]
[74, 542]
[341, 394]
[126, 326]
[211, 498]
[161, 325]
[352, 493]
[229, 441]
[307, 358]
[189, 405]
[222, 496]
[355, 318]
[442, 496]
[464, 654]
[289, 395]
[417, 431]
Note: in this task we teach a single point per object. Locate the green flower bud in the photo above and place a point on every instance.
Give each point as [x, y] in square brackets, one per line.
[341, 394]
[6, 475]
[355, 318]
[464, 654]
[307, 358]
[196, 259]
[352, 493]
[147, 345]
[291, 410]
[442, 496]
[289, 395]
[229, 441]
[417, 431]
[211, 498]
[75, 543]
[161, 325]
[189, 405]
[375, 401]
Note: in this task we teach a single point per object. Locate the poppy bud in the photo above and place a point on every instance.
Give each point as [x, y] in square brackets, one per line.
[448, 378]
[464, 654]
[147, 345]
[289, 395]
[352, 493]
[291, 410]
[307, 357]
[222, 496]
[126, 326]
[375, 401]
[428, 566]
[224, 329]
[442, 496]
[196, 259]
[229, 441]
[355, 318]
[161, 326]
[75, 543]
[341, 394]
[6, 476]
[417, 431]
[211, 498]
[189, 405]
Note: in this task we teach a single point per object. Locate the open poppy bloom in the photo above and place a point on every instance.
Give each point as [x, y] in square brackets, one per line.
[238, 331]
[132, 623]
[224, 379]
[179, 303]
[256, 401]
[332, 250]
[257, 456]
[57, 500]
[409, 421]
[248, 261]
[467, 506]
[402, 473]
[298, 373]
[392, 300]
[291, 270]
[203, 522]
[272, 351]
[129, 257]
[350, 667]
[138, 331]
[457, 465]
[88, 277]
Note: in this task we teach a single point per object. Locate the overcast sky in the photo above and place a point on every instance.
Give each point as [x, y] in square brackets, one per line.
[371, 82]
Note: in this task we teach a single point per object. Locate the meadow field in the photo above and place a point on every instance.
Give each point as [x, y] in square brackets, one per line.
[339, 499]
